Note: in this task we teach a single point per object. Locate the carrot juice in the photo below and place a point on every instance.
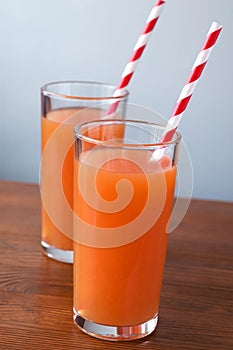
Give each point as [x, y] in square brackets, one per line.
[57, 173]
[119, 284]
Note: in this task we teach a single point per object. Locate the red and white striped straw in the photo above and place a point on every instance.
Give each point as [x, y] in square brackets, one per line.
[137, 53]
[191, 83]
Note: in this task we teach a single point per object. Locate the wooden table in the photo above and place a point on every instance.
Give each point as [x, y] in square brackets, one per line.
[36, 293]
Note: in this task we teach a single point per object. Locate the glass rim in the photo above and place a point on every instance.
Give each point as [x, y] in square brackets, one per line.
[106, 143]
[45, 90]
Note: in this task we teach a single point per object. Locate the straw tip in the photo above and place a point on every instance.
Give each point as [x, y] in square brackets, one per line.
[216, 26]
[160, 2]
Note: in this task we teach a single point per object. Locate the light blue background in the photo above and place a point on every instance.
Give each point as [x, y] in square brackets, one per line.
[49, 40]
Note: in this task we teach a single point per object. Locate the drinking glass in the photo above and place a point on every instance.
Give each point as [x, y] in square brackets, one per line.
[63, 105]
[121, 225]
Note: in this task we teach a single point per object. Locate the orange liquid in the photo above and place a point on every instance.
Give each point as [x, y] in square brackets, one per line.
[57, 171]
[120, 285]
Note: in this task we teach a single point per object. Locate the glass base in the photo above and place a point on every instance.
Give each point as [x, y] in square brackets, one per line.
[57, 254]
[116, 333]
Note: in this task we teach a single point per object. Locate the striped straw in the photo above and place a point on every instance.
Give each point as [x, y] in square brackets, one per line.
[137, 53]
[191, 83]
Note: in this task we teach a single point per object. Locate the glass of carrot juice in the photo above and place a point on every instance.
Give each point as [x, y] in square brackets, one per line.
[121, 225]
[63, 105]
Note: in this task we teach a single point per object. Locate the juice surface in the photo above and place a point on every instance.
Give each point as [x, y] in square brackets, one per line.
[57, 171]
[120, 285]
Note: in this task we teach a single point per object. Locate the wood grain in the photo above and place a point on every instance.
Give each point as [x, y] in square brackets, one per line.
[196, 309]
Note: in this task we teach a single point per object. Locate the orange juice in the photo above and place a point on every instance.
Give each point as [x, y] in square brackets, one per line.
[120, 284]
[57, 173]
